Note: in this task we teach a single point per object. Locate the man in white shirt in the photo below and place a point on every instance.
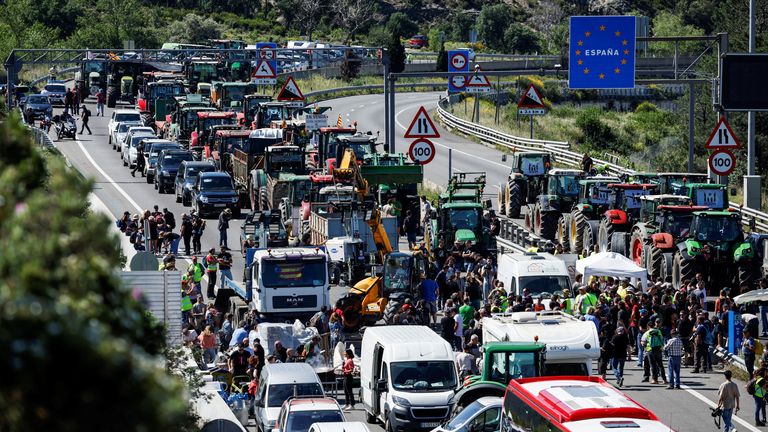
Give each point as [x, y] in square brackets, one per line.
[458, 334]
[465, 361]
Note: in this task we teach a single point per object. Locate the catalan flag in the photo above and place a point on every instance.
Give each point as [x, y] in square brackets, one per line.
[602, 52]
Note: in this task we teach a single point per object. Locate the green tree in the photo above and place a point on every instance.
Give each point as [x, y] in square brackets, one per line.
[108, 23]
[78, 351]
[492, 24]
[521, 39]
[194, 29]
[669, 24]
[396, 54]
[378, 36]
[401, 26]
[461, 24]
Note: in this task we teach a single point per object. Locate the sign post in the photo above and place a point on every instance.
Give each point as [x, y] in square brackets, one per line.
[602, 52]
[531, 104]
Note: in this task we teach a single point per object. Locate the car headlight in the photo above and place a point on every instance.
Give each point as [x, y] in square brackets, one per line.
[234, 199]
[401, 401]
[166, 173]
[204, 199]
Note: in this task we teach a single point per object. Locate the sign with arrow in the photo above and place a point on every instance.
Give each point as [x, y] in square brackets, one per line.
[531, 103]
[722, 136]
[422, 126]
[290, 91]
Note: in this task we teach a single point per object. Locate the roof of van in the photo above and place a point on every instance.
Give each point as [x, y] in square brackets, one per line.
[412, 342]
[288, 373]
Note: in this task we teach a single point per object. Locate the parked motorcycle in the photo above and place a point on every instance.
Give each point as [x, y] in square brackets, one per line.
[65, 126]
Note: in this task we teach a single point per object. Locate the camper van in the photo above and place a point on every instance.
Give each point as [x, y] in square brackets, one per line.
[571, 344]
[542, 273]
[407, 377]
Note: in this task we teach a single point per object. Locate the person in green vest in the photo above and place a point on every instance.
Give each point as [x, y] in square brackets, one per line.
[186, 305]
[759, 394]
[585, 300]
[196, 269]
[567, 305]
[169, 263]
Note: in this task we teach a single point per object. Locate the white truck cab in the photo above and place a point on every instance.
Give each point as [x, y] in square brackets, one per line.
[542, 273]
[407, 377]
[289, 281]
[572, 344]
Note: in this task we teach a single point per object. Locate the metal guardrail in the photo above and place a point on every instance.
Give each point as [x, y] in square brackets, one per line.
[731, 359]
[563, 156]
[47, 77]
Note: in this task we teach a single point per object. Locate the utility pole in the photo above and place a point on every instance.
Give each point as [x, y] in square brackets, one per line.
[751, 181]
[387, 138]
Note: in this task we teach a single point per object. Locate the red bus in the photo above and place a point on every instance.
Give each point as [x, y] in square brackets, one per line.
[573, 404]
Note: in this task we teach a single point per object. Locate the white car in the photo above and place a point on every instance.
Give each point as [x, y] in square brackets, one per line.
[131, 143]
[118, 135]
[298, 414]
[482, 415]
[56, 91]
[122, 115]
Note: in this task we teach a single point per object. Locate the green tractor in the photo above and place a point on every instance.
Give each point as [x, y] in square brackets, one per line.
[715, 247]
[583, 223]
[502, 362]
[616, 223]
[545, 217]
[667, 181]
[459, 214]
[663, 220]
[525, 181]
[710, 195]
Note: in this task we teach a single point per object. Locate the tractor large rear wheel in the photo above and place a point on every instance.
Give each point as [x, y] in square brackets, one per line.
[351, 307]
[550, 222]
[500, 201]
[112, 94]
[637, 248]
[619, 243]
[515, 203]
[655, 262]
[529, 218]
[392, 308]
[575, 232]
[747, 275]
[563, 228]
[605, 231]
[666, 266]
[589, 236]
[682, 269]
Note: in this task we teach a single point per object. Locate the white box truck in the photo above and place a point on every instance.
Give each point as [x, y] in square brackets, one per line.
[407, 377]
[572, 344]
[542, 273]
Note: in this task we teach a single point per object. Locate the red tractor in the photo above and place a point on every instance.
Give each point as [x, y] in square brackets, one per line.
[615, 224]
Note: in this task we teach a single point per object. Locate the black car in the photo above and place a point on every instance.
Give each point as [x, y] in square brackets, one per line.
[186, 177]
[152, 148]
[168, 162]
[213, 192]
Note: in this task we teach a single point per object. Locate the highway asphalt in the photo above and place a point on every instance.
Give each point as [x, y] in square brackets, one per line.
[117, 191]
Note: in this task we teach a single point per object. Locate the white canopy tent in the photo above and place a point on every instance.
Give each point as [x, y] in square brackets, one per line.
[752, 296]
[611, 264]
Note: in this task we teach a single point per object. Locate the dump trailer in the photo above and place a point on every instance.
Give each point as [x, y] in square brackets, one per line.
[242, 155]
[283, 169]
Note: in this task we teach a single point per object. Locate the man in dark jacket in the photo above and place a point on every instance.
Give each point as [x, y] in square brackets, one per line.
[139, 166]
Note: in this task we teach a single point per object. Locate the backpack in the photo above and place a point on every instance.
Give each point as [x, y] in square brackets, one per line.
[709, 337]
[751, 386]
[655, 339]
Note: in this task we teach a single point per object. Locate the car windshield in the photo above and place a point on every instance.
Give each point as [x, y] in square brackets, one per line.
[300, 421]
[714, 228]
[508, 365]
[544, 286]
[566, 185]
[217, 183]
[281, 273]
[422, 376]
[679, 225]
[193, 171]
[173, 160]
[278, 393]
[396, 272]
[467, 413]
[38, 100]
[56, 88]
[123, 117]
[463, 218]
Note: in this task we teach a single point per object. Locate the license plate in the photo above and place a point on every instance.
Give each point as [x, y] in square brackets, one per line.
[219, 205]
[430, 424]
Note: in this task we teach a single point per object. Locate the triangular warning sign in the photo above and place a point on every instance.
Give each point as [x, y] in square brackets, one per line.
[722, 136]
[290, 91]
[263, 70]
[478, 80]
[422, 126]
[531, 99]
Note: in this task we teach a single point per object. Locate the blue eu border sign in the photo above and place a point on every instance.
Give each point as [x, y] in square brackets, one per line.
[602, 52]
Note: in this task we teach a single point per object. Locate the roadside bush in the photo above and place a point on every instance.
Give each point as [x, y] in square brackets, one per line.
[645, 107]
[595, 132]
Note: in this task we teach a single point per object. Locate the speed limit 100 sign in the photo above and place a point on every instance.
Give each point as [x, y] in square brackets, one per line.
[722, 162]
[422, 151]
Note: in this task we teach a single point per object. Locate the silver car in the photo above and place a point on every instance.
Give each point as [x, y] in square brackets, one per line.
[482, 415]
[117, 135]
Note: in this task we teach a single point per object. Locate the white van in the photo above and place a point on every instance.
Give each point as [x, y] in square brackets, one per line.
[572, 344]
[542, 273]
[407, 377]
[278, 382]
[339, 427]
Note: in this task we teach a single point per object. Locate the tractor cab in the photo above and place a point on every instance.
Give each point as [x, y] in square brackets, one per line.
[402, 272]
[649, 205]
[284, 159]
[224, 141]
[205, 121]
[533, 166]
[250, 108]
[716, 227]
[666, 180]
[710, 195]
[268, 112]
[362, 144]
[201, 70]
[640, 177]
[229, 96]
[594, 192]
[626, 196]
[158, 98]
[562, 189]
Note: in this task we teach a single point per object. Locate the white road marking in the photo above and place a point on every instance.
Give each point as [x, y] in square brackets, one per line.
[374, 102]
[109, 179]
[361, 106]
[711, 404]
[445, 146]
[351, 110]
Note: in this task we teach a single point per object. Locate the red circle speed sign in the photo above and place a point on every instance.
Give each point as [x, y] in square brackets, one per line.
[422, 151]
[458, 61]
[722, 162]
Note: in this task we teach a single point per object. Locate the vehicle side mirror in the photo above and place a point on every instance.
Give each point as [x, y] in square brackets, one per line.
[381, 385]
[503, 158]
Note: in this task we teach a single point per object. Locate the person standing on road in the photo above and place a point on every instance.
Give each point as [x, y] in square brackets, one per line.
[348, 369]
[211, 265]
[654, 341]
[196, 269]
[759, 384]
[674, 349]
[140, 162]
[410, 226]
[458, 334]
[68, 102]
[186, 232]
[170, 219]
[224, 226]
[448, 325]
[100, 103]
[225, 264]
[429, 292]
[84, 116]
[620, 349]
[702, 350]
[198, 225]
[748, 348]
[728, 401]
